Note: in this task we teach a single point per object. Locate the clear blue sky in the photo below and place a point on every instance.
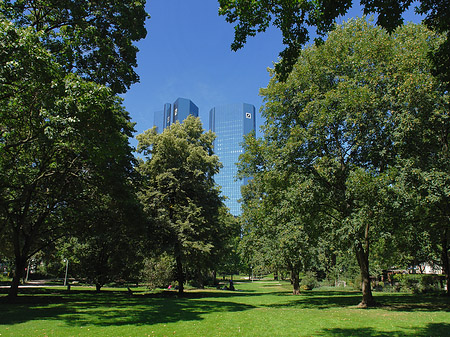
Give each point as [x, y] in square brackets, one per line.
[187, 54]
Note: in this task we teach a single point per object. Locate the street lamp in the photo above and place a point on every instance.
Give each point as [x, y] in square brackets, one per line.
[28, 270]
[67, 267]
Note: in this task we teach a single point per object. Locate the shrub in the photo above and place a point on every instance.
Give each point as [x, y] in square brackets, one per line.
[158, 271]
[309, 281]
[357, 282]
[417, 283]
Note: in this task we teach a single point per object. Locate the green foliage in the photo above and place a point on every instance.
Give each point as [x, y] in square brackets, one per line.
[333, 134]
[417, 283]
[292, 17]
[309, 281]
[92, 39]
[159, 272]
[226, 252]
[278, 231]
[62, 140]
[296, 18]
[179, 194]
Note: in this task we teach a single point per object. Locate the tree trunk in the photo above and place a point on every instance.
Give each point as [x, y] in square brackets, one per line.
[295, 280]
[201, 279]
[363, 262]
[98, 287]
[180, 275]
[445, 258]
[20, 263]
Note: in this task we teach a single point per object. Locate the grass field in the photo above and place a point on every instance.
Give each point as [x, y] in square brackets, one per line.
[255, 309]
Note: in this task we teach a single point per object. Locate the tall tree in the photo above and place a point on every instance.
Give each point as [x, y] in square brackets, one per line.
[296, 17]
[59, 135]
[179, 192]
[93, 39]
[108, 231]
[277, 224]
[422, 141]
[333, 123]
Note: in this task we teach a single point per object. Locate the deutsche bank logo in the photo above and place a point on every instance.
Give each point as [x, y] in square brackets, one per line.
[248, 115]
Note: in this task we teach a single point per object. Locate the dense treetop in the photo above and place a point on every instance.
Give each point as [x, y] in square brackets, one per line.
[353, 113]
[91, 38]
[295, 17]
[61, 137]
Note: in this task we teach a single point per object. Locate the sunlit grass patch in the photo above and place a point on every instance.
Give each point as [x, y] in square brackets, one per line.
[260, 308]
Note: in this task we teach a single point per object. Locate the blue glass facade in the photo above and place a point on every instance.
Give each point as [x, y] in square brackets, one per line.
[231, 123]
[158, 121]
[167, 115]
[178, 111]
[182, 108]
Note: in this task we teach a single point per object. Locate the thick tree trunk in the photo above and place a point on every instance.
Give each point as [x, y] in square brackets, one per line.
[362, 255]
[295, 280]
[363, 262]
[180, 275]
[20, 263]
[98, 287]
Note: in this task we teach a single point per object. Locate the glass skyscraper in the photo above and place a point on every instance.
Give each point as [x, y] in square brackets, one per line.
[230, 123]
[182, 108]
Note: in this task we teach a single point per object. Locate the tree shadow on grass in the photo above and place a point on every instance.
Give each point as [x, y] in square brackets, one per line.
[81, 308]
[431, 329]
[320, 300]
[109, 308]
[394, 302]
[412, 302]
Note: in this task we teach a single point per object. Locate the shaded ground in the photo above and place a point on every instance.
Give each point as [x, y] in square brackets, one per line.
[319, 313]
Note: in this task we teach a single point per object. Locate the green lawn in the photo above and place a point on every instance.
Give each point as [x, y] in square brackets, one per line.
[255, 309]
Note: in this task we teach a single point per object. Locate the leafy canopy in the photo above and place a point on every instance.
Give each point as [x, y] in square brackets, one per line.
[61, 137]
[335, 129]
[179, 193]
[94, 39]
[296, 17]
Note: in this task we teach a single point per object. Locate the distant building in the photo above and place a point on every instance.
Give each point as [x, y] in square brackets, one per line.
[178, 111]
[158, 120]
[231, 123]
[167, 115]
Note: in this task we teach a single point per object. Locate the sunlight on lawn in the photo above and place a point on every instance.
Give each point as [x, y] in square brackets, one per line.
[254, 309]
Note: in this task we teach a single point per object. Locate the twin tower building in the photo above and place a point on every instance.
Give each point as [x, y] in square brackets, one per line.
[230, 123]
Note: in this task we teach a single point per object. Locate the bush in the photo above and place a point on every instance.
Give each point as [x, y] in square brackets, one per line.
[327, 283]
[158, 271]
[417, 283]
[309, 281]
[357, 282]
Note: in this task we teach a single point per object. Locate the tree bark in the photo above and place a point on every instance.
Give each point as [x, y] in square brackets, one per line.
[20, 263]
[445, 258]
[180, 275]
[295, 280]
[363, 262]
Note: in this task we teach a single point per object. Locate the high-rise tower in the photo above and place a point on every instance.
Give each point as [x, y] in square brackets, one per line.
[178, 111]
[230, 123]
